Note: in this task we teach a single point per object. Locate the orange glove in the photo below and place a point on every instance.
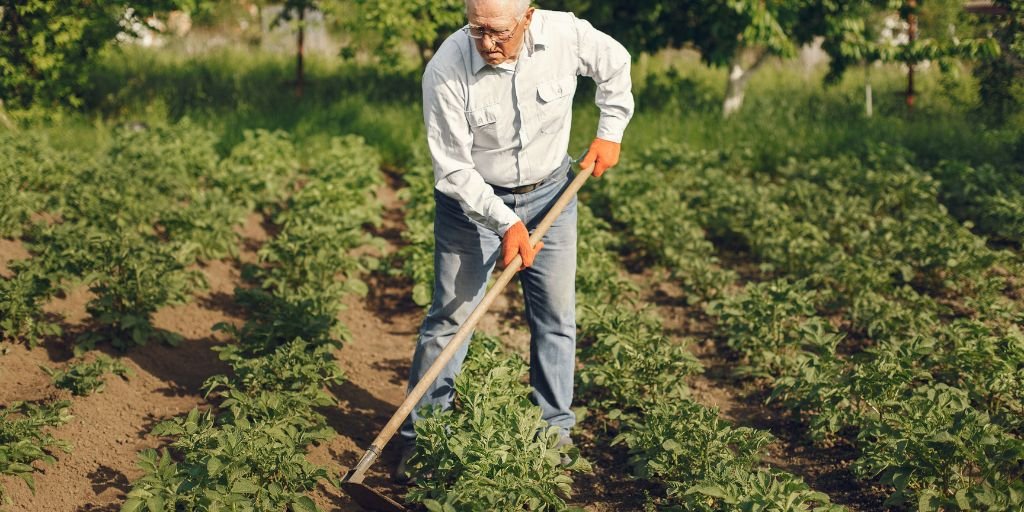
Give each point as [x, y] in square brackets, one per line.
[516, 240]
[604, 154]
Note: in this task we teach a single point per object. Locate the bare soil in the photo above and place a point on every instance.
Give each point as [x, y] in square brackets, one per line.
[742, 402]
[110, 428]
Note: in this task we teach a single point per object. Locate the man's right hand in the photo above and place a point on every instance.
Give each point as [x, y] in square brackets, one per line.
[516, 240]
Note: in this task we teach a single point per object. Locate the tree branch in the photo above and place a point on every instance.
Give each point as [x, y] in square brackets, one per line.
[761, 59]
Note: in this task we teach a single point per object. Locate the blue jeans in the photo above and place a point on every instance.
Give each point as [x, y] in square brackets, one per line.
[465, 254]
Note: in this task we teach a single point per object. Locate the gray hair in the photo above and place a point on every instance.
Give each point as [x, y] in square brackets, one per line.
[520, 6]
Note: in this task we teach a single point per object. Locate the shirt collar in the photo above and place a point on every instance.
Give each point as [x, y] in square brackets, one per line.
[535, 37]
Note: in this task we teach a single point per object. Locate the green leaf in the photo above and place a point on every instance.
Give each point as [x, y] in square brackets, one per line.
[304, 504]
[245, 486]
[131, 505]
[421, 294]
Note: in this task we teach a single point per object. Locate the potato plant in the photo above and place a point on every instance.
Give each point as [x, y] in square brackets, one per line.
[260, 171]
[926, 401]
[131, 276]
[248, 453]
[84, 378]
[991, 199]
[204, 229]
[681, 240]
[21, 304]
[33, 178]
[309, 260]
[23, 440]
[707, 464]
[637, 374]
[491, 450]
[940, 453]
[417, 256]
[169, 160]
[127, 220]
[236, 466]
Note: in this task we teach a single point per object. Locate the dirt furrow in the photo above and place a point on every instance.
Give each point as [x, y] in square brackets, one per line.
[110, 428]
[742, 402]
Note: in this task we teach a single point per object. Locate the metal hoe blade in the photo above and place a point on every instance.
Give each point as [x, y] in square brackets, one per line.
[370, 499]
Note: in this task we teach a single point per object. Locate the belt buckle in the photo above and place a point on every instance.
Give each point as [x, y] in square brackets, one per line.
[526, 188]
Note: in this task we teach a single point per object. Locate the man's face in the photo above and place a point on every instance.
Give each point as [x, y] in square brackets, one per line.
[496, 16]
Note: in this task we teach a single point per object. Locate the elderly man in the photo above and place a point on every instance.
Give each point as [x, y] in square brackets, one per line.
[497, 104]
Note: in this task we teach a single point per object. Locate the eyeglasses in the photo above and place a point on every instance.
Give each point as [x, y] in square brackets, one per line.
[478, 32]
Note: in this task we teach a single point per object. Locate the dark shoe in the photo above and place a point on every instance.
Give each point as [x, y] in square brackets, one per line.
[402, 474]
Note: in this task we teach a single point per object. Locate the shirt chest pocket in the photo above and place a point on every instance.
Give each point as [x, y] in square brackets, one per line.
[483, 122]
[554, 99]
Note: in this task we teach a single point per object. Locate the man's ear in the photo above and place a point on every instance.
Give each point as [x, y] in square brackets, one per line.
[529, 13]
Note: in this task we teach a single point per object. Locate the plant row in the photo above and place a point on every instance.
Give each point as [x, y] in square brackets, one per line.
[872, 313]
[127, 221]
[635, 376]
[990, 197]
[631, 372]
[249, 452]
[23, 440]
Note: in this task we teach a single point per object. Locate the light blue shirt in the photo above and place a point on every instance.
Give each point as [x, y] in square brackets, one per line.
[508, 125]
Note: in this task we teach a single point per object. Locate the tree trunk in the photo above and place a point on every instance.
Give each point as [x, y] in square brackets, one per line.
[737, 80]
[299, 78]
[426, 52]
[869, 107]
[912, 36]
[259, 20]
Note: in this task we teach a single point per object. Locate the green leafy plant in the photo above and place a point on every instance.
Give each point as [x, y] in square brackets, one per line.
[248, 453]
[205, 228]
[866, 242]
[705, 463]
[991, 198]
[935, 446]
[260, 171]
[241, 466]
[417, 256]
[84, 378]
[132, 276]
[21, 301]
[23, 441]
[491, 450]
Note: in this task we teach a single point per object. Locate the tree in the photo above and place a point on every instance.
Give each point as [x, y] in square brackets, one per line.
[1001, 81]
[392, 23]
[46, 46]
[295, 10]
[855, 38]
[724, 32]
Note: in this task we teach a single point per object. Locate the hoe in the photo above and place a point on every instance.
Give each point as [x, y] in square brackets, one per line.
[352, 483]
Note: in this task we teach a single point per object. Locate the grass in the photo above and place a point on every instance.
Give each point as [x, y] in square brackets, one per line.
[788, 113]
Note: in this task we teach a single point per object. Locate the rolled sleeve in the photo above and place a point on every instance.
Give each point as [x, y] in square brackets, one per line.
[607, 62]
[450, 140]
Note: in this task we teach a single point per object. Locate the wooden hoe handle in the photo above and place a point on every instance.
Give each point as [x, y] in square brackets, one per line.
[358, 472]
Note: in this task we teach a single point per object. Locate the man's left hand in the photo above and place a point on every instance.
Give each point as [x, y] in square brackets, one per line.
[603, 155]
